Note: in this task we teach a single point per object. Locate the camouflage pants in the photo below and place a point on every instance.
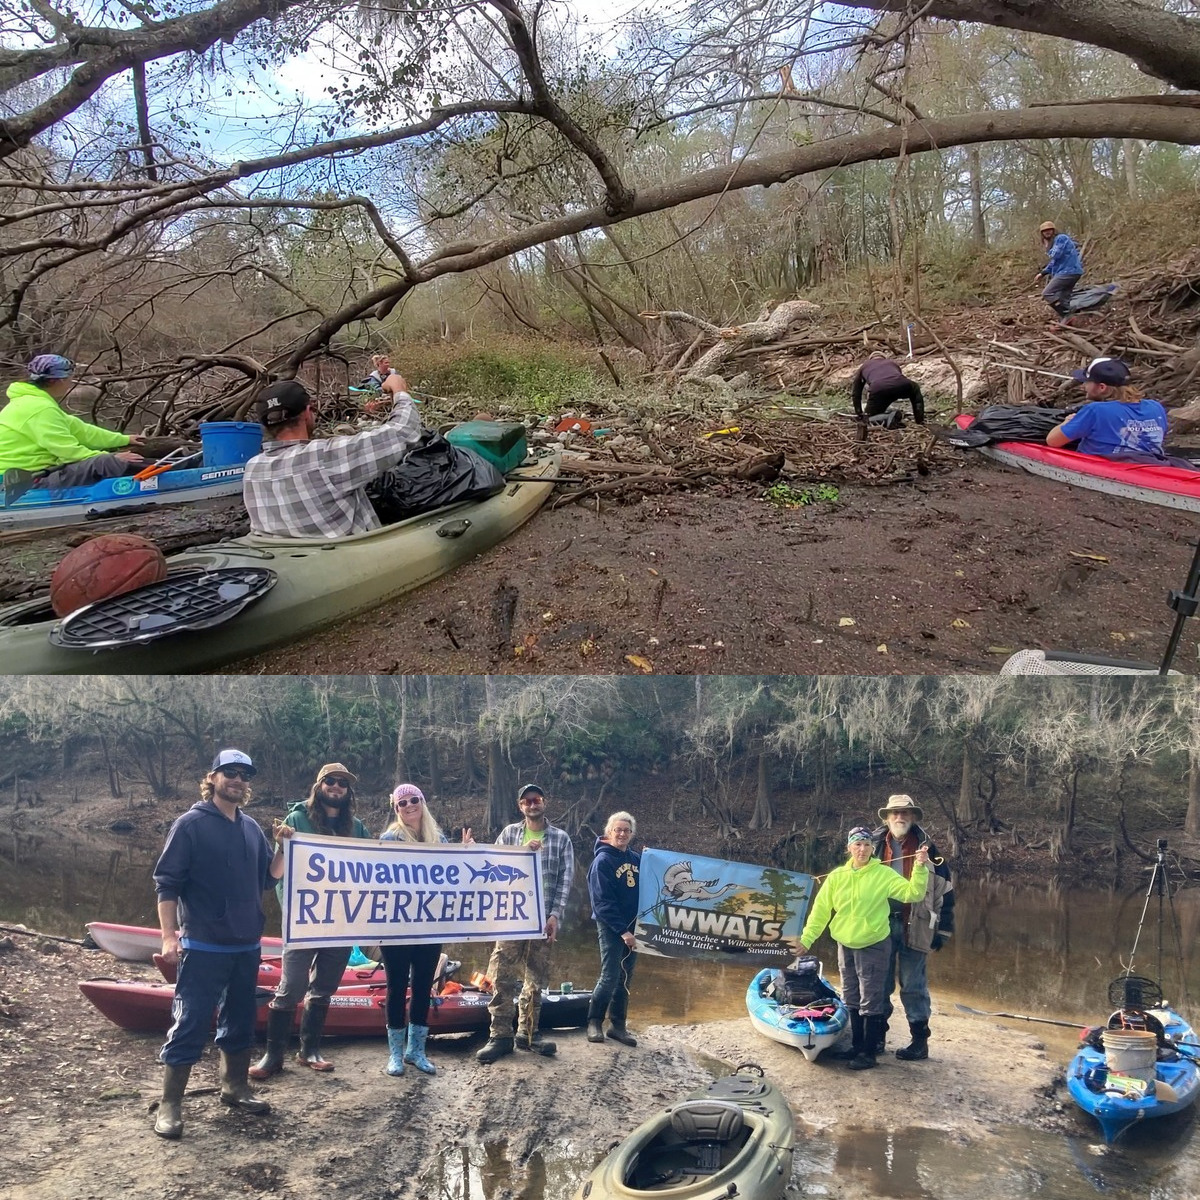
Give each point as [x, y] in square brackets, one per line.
[513, 964]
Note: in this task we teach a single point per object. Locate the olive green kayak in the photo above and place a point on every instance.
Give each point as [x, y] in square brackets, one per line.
[735, 1138]
[312, 583]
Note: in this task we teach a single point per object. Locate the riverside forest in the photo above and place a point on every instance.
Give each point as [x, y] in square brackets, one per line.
[1075, 777]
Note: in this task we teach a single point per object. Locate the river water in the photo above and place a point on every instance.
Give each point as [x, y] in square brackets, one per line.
[1034, 949]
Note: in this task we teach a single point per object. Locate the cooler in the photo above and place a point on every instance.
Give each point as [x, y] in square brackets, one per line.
[502, 443]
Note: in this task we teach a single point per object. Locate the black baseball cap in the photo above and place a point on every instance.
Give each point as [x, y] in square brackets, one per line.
[529, 787]
[281, 402]
[1103, 370]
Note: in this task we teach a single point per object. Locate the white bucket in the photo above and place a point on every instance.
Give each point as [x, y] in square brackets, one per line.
[1130, 1052]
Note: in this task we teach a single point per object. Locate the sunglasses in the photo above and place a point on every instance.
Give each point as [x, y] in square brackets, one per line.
[237, 773]
[336, 781]
[406, 802]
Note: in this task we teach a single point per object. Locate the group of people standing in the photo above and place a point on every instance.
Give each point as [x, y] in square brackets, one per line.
[209, 880]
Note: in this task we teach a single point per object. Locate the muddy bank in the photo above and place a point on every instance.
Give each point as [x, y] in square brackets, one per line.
[75, 1093]
[943, 576]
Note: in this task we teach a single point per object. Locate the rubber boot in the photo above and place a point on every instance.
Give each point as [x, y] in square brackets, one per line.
[618, 1033]
[415, 1053]
[311, 1025]
[169, 1123]
[497, 1047]
[396, 1050]
[919, 1049]
[856, 1040]
[235, 1090]
[536, 1045]
[880, 1046]
[864, 1060]
[279, 1029]
[595, 1031]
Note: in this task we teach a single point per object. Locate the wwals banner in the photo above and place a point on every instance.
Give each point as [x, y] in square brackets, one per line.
[343, 891]
[694, 907]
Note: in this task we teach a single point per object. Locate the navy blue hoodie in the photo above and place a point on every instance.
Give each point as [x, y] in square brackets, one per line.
[613, 886]
[217, 869]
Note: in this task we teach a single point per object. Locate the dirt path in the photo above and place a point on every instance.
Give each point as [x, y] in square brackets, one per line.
[949, 575]
[75, 1091]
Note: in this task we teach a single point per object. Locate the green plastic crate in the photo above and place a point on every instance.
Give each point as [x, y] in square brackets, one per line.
[502, 443]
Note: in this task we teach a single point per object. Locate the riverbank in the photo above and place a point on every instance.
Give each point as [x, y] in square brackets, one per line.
[76, 1091]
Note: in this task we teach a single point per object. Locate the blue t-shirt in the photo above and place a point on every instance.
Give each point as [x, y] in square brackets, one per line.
[1112, 428]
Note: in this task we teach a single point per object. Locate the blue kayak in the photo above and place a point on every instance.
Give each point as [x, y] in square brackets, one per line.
[41, 507]
[810, 1028]
[1115, 1101]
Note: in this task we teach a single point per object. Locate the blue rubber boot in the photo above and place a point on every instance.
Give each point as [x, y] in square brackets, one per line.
[415, 1053]
[396, 1050]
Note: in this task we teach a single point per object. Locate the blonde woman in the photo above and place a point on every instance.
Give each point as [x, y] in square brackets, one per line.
[613, 891]
[412, 822]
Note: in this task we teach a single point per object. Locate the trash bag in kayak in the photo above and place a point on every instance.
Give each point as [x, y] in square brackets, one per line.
[432, 474]
[1008, 423]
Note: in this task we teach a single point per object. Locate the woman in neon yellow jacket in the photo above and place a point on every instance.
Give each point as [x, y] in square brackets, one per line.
[60, 450]
[853, 903]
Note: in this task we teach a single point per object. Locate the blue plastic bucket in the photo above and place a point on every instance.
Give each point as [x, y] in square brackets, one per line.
[229, 443]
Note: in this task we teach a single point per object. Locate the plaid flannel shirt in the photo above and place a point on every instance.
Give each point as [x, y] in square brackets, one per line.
[558, 864]
[315, 489]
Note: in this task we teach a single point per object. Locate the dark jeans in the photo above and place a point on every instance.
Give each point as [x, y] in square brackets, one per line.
[207, 981]
[398, 963]
[86, 472]
[1057, 293]
[611, 993]
[910, 966]
[879, 400]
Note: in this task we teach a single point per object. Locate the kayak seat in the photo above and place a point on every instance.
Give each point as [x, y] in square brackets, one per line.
[700, 1138]
[707, 1121]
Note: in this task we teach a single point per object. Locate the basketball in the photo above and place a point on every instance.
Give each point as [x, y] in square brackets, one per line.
[103, 567]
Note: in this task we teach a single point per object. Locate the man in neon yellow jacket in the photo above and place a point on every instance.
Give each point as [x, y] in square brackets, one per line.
[59, 450]
[854, 904]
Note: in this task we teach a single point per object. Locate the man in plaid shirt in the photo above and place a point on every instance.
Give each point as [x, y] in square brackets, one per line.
[511, 960]
[297, 487]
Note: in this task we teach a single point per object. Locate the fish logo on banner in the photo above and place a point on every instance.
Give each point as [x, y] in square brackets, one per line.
[347, 891]
[708, 908]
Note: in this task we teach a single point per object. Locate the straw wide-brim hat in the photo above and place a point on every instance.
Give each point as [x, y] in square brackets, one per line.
[900, 803]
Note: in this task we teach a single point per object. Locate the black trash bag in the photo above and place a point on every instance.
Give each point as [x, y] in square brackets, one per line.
[1008, 423]
[432, 474]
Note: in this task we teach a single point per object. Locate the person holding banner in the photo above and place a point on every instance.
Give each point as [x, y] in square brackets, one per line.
[613, 891]
[853, 903]
[530, 959]
[413, 822]
[918, 928]
[210, 880]
[328, 811]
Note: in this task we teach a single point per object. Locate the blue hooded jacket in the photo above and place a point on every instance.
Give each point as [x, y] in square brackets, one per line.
[613, 886]
[1065, 258]
[217, 870]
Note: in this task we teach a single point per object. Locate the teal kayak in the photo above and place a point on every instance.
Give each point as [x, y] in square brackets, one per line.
[735, 1138]
[311, 583]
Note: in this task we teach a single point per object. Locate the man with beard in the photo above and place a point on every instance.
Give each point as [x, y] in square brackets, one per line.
[513, 960]
[210, 878]
[329, 810]
[918, 928]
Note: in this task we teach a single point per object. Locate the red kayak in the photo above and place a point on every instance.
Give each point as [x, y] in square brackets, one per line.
[1173, 487]
[139, 943]
[354, 1011]
[270, 971]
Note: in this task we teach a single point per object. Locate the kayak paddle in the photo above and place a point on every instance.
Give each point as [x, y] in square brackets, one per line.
[978, 1012]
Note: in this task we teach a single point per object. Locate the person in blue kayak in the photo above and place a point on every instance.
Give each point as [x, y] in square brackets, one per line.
[1117, 422]
[60, 451]
[613, 891]
[1064, 266]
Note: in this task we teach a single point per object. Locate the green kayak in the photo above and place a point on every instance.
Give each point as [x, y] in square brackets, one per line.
[312, 583]
[735, 1138]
